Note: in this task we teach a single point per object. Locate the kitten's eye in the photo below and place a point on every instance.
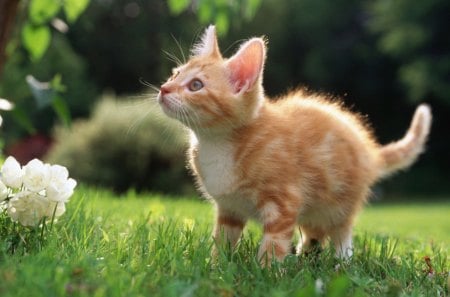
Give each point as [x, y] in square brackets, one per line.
[195, 85]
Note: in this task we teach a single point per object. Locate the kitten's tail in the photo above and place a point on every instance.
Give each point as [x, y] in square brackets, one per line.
[402, 153]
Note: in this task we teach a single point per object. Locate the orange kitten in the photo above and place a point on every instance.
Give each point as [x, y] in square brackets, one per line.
[301, 161]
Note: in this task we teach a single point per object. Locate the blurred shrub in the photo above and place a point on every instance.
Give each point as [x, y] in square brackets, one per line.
[59, 59]
[125, 144]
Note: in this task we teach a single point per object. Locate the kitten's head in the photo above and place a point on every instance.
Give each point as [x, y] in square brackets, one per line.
[210, 92]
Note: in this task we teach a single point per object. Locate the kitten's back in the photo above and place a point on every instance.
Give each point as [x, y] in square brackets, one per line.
[307, 138]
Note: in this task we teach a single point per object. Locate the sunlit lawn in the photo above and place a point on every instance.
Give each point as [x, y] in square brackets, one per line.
[151, 245]
[426, 222]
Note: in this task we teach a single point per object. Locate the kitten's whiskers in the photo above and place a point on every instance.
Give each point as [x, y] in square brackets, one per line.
[147, 84]
[180, 49]
[173, 58]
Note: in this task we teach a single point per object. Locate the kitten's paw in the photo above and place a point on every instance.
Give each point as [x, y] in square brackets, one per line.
[344, 253]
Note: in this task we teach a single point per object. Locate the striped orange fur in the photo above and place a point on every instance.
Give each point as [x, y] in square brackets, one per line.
[301, 161]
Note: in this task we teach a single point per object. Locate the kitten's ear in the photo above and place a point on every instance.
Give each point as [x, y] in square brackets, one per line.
[208, 45]
[246, 66]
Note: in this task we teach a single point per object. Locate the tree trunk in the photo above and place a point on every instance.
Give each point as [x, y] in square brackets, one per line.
[8, 11]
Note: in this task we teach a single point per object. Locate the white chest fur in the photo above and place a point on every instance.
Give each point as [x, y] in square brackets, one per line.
[215, 159]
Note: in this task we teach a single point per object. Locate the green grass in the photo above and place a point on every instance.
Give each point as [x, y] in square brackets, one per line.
[154, 246]
[425, 222]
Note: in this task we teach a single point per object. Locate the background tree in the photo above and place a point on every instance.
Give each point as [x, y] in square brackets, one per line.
[8, 9]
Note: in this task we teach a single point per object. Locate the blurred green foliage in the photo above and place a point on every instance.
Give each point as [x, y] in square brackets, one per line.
[61, 65]
[36, 40]
[36, 34]
[19, 83]
[126, 143]
[380, 56]
[417, 37]
[222, 13]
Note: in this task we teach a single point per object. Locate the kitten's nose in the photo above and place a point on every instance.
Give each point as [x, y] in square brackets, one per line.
[164, 90]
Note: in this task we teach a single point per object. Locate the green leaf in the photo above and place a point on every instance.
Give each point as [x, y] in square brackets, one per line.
[57, 85]
[42, 11]
[36, 40]
[62, 110]
[74, 8]
[178, 6]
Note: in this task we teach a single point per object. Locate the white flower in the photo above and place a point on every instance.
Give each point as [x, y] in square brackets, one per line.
[41, 190]
[60, 209]
[319, 286]
[36, 175]
[28, 208]
[3, 191]
[60, 187]
[59, 171]
[12, 173]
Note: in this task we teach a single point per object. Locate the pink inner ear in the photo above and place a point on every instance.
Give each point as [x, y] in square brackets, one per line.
[246, 65]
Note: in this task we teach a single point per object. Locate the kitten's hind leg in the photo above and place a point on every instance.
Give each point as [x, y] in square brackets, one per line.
[341, 238]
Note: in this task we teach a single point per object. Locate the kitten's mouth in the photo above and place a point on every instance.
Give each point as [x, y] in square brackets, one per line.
[166, 105]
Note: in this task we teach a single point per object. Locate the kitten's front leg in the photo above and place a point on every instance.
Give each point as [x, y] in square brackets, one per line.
[276, 240]
[342, 241]
[227, 231]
